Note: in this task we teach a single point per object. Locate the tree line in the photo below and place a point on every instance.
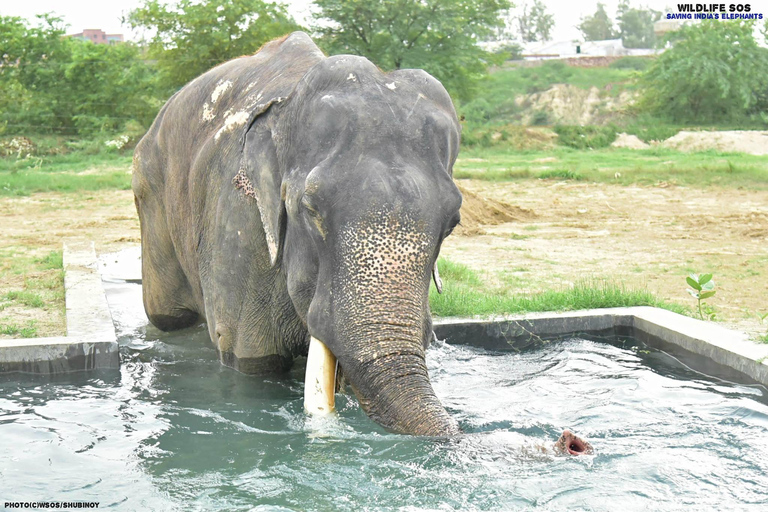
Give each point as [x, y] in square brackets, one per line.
[634, 25]
[50, 83]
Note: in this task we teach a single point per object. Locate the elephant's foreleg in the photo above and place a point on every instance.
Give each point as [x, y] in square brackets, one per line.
[168, 298]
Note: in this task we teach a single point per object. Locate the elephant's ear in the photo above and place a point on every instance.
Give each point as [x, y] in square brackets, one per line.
[260, 177]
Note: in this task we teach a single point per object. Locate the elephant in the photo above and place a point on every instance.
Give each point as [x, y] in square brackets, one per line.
[297, 204]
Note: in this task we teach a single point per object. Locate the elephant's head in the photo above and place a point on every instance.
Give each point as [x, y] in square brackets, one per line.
[356, 195]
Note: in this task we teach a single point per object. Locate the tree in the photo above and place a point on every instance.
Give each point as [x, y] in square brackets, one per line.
[439, 36]
[50, 83]
[714, 72]
[191, 37]
[597, 27]
[31, 67]
[636, 26]
[536, 24]
[109, 85]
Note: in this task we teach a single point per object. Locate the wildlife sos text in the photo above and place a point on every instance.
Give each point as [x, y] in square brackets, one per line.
[714, 12]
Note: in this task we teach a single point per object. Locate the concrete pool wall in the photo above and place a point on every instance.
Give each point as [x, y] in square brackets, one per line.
[705, 346]
[91, 343]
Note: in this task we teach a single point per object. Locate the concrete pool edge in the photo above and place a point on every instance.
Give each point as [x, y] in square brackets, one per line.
[725, 347]
[90, 343]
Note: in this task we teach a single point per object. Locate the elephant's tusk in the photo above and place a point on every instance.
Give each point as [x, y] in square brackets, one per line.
[436, 277]
[320, 379]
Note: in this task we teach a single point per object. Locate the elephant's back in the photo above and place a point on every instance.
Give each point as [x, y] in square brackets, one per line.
[214, 108]
[218, 104]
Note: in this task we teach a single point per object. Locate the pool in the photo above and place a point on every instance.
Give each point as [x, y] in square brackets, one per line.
[174, 430]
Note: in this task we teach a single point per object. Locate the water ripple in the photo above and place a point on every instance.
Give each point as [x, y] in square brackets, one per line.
[176, 431]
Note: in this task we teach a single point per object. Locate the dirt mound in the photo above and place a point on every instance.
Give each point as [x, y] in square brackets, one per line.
[516, 137]
[478, 211]
[751, 142]
[568, 104]
[624, 140]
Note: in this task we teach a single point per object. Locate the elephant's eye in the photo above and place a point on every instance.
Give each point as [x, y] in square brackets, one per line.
[452, 224]
[308, 206]
[314, 216]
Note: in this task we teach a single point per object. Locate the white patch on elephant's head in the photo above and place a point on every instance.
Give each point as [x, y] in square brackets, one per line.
[251, 85]
[327, 97]
[221, 88]
[208, 114]
[352, 77]
[232, 121]
[391, 86]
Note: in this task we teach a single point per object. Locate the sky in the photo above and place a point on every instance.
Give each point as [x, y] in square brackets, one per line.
[106, 14]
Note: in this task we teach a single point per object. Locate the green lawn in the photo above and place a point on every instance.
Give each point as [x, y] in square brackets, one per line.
[614, 165]
[466, 294]
[64, 173]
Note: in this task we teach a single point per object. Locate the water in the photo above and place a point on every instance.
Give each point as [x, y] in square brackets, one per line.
[174, 430]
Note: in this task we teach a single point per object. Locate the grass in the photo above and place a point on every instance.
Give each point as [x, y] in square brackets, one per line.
[25, 297]
[11, 329]
[615, 165]
[52, 260]
[24, 183]
[560, 174]
[30, 283]
[64, 165]
[465, 294]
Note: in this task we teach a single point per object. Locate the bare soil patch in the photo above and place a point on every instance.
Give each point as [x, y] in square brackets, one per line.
[569, 104]
[643, 236]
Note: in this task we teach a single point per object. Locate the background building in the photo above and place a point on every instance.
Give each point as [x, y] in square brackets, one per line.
[98, 36]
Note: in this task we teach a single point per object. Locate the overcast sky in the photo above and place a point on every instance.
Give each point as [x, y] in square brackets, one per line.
[106, 14]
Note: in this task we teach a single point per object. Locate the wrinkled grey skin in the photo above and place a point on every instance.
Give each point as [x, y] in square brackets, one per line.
[288, 193]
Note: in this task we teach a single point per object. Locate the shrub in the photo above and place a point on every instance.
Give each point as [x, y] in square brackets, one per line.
[560, 174]
[540, 118]
[636, 63]
[713, 72]
[551, 72]
[585, 137]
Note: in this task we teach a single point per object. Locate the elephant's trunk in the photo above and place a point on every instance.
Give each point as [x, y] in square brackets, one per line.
[392, 385]
[380, 345]
[376, 320]
[389, 376]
